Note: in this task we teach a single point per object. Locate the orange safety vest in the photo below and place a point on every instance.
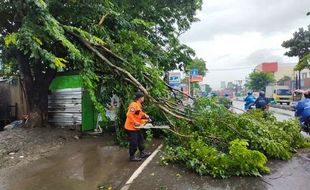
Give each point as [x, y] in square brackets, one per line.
[134, 116]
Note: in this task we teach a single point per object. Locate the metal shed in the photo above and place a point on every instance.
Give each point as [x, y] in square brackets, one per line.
[69, 104]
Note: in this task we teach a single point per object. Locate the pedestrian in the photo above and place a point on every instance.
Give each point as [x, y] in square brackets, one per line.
[261, 102]
[135, 118]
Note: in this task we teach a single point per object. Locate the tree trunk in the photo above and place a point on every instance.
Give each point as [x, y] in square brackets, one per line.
[35, 83]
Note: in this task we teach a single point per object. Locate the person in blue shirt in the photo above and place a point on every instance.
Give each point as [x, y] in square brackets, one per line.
[303, 108]
[249, 101]
[261, 102]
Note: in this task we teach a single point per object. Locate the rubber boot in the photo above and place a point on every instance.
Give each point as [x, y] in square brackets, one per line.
[145, 154]
[135, 159]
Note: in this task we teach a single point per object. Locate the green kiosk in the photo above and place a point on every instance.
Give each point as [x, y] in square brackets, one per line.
[69, 104]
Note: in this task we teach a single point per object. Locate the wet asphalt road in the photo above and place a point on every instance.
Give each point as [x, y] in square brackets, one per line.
[286, 175]
[80, 165]
[279, 113]
[97, 162]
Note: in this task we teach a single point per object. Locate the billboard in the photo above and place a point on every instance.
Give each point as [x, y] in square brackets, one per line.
[174, 78]
[267, 67]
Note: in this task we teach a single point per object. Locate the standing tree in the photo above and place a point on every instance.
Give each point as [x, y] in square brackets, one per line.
[259, 80]
[38, 39]
[299, 46]
[283, 80]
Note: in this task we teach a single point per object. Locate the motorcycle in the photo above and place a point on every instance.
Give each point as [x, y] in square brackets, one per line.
[306, 126]
[251, 107]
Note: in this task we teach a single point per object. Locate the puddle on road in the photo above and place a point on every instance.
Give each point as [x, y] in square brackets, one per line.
[78, 166]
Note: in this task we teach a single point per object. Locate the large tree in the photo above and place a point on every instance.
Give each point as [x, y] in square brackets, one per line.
[39, 39]
[299, 46]
[259, 80]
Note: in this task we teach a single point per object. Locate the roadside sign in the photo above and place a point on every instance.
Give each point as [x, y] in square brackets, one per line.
[194, 72]
[174, 78]
[197, 78]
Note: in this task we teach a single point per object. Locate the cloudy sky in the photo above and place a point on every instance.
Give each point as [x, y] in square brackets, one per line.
[239, 34]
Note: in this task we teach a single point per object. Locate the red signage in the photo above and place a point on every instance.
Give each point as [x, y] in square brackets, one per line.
[268, 67]
[197, 78]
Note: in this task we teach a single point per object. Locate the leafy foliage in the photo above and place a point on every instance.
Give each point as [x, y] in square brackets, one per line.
[225, 144]
[259, 80]
[284, 79]
[299, 46]
[197, 64]
[303, 63]
[145, 33]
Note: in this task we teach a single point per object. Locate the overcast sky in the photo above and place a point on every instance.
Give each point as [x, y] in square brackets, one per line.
[234, 34]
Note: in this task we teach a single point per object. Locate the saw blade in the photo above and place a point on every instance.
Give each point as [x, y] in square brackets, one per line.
[150, 126]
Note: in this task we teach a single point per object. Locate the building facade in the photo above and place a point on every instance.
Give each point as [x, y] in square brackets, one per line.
[281, 70]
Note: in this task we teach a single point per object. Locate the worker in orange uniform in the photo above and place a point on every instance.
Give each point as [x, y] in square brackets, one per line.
[135, 118]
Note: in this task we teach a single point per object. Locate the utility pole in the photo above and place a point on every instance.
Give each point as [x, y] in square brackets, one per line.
[299, 80]
[296, 82]
[189, 84]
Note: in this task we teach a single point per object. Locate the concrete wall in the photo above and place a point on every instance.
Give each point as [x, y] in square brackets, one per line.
[284, 70]
[11, 93]
[5, 99]
[306, 83]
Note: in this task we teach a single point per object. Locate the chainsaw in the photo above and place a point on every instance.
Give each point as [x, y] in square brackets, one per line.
[151, 126]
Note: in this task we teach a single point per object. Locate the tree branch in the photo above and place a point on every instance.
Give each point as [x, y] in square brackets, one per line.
[135, 82]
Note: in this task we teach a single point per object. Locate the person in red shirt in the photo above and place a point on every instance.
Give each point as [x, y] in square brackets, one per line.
[135, 118]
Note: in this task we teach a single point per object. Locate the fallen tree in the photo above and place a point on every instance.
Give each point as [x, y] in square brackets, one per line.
[120, 54]
[212, 140]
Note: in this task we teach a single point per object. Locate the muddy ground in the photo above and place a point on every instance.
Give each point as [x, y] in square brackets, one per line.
[23, 145]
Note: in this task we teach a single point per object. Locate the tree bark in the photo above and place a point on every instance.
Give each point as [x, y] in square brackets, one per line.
[35, 83]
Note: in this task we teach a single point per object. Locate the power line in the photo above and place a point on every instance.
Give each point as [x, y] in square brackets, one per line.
[229, 69]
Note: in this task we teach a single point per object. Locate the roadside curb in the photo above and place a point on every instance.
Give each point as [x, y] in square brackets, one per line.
[282, 107]
[281, 111]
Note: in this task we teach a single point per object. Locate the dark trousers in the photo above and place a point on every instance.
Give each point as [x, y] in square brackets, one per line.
[135, 141]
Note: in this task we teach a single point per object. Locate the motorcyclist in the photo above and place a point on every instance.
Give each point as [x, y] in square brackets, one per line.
[249, 101]
[303, 109]
[261, 102]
